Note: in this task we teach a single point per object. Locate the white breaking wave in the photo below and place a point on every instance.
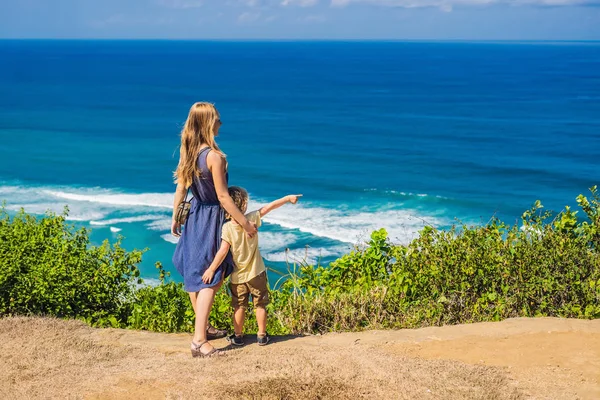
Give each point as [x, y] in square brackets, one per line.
[271, 241]
[157, 200]
[96, 204]
[128, 220]
[305, 255]
[85, 204]
[163, 224]
[407, 194]
[115, 230]
[75, 213]
[351, 226]
[9, 190]
[170, 238]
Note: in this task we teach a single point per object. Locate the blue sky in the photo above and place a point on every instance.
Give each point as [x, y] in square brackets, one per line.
[303, 19]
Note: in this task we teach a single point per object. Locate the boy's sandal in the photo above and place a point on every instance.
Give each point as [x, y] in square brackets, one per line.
[263, 340]
[236, 340]
[196, 352]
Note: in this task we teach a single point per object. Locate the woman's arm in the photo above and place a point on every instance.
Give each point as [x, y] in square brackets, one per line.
[180, 193]
[216, 164]
[219, 257]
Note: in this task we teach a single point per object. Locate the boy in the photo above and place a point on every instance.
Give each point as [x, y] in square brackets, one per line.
[250, 275]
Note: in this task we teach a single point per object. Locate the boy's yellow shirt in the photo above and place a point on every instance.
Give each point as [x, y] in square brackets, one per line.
[247, 258]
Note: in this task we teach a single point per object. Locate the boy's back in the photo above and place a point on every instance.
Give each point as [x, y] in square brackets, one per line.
[249, 277]
[245, 252]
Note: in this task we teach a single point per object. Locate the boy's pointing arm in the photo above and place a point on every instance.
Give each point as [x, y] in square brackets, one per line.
[290, 198]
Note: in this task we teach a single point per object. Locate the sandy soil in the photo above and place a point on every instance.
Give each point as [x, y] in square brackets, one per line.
[543, 358]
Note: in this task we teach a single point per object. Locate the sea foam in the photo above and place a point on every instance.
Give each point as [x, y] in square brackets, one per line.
[305, 255]
[96, 205]
[155, 200]
[127, 220]
[351, 226]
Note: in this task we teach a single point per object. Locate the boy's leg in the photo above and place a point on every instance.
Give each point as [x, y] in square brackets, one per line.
[238, 320]
[261, 319]
[260, 297]
[239, 301]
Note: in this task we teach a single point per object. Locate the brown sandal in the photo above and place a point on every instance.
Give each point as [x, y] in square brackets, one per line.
[196, 352]
[214, 333]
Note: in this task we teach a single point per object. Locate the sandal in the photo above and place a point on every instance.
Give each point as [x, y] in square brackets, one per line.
[213, 333]
[263, 340]
[196, 352]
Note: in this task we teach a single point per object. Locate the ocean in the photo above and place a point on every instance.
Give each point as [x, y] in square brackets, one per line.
[394, 135]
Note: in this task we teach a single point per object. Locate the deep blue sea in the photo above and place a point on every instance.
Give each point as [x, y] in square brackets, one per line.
[374, 134]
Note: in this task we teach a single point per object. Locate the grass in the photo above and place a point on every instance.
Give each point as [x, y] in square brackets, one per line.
[51, 358]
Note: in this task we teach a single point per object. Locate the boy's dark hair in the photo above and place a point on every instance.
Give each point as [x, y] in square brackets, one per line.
[240, 198]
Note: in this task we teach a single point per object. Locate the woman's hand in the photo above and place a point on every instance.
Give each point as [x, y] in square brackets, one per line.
[180, 193]
[250, 228]
[175, 228]
[208, 276]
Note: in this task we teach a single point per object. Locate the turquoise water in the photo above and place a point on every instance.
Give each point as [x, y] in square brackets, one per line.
[374, 134]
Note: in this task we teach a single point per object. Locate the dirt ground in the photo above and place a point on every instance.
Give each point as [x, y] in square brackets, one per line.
[545, 358]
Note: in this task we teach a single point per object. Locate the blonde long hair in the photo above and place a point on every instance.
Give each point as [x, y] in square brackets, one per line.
[199, 130]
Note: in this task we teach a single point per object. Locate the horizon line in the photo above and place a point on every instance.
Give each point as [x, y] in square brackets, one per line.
[308, 40]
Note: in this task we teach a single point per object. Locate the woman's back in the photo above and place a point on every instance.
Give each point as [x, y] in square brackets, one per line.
[204, 187]
[201, 235]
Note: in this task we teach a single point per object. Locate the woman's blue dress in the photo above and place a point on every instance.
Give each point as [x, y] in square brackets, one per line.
[201, 235]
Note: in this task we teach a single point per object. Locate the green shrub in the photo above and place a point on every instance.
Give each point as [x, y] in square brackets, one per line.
[167, 308]
[465, 274]
[162, 308]
[546, 266]
[47, 267]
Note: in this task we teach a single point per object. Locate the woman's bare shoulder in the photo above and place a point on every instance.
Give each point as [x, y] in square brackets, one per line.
[214, 158]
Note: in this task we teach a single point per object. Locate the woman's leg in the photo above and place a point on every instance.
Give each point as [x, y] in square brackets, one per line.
[211, 331]
[193, 299]
[204, 302]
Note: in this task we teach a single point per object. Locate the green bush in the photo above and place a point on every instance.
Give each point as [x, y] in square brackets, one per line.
[465, 274]
[546, 266]
[167, 308]
[162, 308]
[47, 267]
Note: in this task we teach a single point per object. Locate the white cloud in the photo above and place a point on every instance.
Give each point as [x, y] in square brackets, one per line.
[123, 20]
[301, 3]
[247, 17]
[180, 4]
[312, 19]
[115, 19]
[447, 5]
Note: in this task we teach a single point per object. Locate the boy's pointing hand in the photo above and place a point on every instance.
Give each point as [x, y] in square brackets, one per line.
[293, 198]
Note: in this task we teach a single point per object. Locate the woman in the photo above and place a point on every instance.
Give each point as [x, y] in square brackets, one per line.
[203, 167]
